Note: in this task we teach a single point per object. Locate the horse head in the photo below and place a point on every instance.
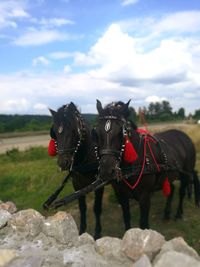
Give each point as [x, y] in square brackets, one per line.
[110, 134]
[67, 130]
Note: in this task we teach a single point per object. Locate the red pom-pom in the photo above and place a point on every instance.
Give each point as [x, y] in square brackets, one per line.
[52, 148]
[166, 188]
[130, 155]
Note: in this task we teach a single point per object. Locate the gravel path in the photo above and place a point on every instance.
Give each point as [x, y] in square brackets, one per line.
[23, 143]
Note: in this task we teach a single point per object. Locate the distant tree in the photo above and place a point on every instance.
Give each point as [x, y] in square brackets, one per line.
[197, 114]
[181, 113]
[157, 110]
[166, 107]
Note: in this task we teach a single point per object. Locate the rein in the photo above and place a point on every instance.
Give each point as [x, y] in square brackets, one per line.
[81, 133]
[147, 138]
[47, 204]
[97, 184]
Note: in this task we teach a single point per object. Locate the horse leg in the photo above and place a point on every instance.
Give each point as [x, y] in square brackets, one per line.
[124, 202]
[144, 203]
[97, 211]
[167, 210]
[83, 210]
[182, 192]
[196, 188]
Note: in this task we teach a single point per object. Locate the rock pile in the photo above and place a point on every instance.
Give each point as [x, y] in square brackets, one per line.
[28, 239]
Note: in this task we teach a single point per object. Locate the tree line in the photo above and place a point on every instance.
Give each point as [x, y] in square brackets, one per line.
[155, 112]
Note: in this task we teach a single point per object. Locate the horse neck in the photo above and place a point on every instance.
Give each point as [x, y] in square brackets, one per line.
[86, 150]
[136, 140]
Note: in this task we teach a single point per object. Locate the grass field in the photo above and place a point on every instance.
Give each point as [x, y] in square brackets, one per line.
[29, 177]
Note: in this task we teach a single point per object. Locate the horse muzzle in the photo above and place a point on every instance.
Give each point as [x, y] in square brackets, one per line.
[64, 162]
[109, 168]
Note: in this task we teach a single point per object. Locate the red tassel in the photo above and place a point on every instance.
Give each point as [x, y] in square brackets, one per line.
[130, 155]
[52, 148]
[166, 187]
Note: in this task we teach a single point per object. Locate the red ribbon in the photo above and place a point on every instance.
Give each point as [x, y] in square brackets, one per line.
[52, 151]
[166, 188]
[130, 155]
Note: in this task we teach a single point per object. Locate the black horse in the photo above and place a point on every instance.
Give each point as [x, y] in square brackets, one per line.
[75, 152]
[163, 157]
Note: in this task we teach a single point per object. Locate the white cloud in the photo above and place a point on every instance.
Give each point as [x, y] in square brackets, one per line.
[55, 22]
[11, 11]
[40, 37]
[67, 69]
[18, 105]
[154, 26]
[187, 21]
[60, 55]
[154, 98]
[18, 13]
[40, 107]
[40, 60]
[129, 2]
[119, 66]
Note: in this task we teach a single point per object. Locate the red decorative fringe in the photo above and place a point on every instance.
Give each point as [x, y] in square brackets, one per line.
[130, 155]
[166, 187]
[52, 148]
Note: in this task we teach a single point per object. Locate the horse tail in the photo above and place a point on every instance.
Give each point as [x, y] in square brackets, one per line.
[196, 188]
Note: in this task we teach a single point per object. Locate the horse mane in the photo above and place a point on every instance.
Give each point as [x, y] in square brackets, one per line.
[116, 109]
[66, 112]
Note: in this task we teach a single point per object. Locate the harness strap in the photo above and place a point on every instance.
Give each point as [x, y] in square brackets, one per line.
[97, 184]
[52, 197]
[147, 139]
[108, 152]
[132, 187]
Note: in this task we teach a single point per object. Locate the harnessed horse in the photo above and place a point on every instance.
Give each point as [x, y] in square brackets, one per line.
[157, 159]
[75, 152]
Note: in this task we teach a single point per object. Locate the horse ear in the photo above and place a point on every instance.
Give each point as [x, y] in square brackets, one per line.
[53, 112]
[72, 107]
[125, 109]
[127, 104]
[99, 107]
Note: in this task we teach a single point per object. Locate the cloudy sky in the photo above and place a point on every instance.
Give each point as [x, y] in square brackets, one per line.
[54, 52]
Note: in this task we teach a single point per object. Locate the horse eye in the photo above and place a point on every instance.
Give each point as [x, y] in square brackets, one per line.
[60, 129]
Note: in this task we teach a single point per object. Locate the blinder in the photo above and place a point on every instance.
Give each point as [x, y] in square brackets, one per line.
[108, 126]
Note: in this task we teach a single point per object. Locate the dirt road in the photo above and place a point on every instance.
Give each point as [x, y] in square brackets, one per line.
[23, 142]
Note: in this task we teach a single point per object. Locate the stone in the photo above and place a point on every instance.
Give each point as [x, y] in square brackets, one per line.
[110, 249]
[9, 206]
[173, 258]
[6, 256]
[33, 261]
[143, 262]
[137, 242]
[83, 256]
[85, 238]
[27, 221]
[178, 244]
[62, 227]
[4, 217]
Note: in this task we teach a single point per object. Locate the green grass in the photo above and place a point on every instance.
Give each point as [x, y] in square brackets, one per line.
[28, 178]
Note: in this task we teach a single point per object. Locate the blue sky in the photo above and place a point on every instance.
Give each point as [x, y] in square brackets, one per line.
[53, 52]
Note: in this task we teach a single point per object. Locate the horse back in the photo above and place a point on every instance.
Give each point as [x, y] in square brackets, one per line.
[179, 148]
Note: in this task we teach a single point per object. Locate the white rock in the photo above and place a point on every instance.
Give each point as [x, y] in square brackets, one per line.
[27, 221]
[62, 227]
[176, 259]
[137, 242]
[4, 217]
[6, 256]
